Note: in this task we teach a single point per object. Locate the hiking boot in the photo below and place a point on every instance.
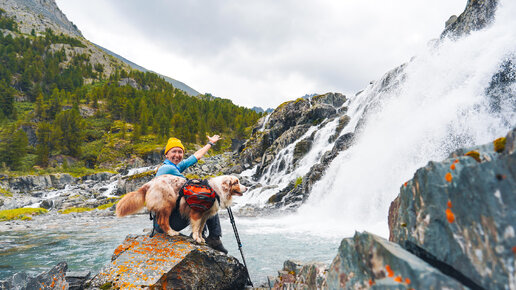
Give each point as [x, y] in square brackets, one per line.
[216, 244]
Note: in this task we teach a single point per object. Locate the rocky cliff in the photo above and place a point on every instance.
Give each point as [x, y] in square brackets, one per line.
[39, 15]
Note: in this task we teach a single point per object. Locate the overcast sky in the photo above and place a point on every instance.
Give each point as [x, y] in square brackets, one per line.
[262, 53]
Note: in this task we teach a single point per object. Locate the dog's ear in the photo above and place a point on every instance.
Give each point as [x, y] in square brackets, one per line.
[226, 185]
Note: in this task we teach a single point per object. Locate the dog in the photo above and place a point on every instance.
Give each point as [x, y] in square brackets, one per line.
[161, 194]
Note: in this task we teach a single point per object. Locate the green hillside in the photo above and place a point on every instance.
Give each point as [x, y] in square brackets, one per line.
[61, 113]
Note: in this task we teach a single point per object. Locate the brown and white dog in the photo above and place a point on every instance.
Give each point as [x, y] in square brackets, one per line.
[161, 193]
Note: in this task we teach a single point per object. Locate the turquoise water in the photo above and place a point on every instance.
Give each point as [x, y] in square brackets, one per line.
[87, 246]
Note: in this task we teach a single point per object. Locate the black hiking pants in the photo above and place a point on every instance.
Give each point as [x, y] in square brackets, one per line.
[178, 223]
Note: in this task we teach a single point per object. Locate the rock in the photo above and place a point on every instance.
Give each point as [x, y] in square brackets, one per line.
[477, 15]
[302, 147]
[171, 263]
[298, 275]
[53, 279]
[450, 21]
[77, 280]
[460, 214]
[129, 82]
[333, 99]
[367, 260]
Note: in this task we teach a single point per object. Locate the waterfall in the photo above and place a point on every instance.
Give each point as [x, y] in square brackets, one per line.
[438, 102]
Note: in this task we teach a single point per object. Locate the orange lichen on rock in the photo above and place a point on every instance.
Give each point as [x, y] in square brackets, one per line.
[449, 204]
[405, 183]
[398, 279]
[456, 161]
[514, 249]
[452, 167]
[499, 144]
[390, 273]
[474, 154]
[407, 280]
[371, 282]
[448, 177]
[450, 216]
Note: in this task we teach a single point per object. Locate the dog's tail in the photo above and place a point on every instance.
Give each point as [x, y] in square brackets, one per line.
[132, 202]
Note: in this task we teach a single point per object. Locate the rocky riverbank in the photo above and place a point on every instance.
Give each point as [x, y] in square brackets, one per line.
[97, 192]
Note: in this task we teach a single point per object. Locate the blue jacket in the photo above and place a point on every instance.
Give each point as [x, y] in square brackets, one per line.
[170, 168]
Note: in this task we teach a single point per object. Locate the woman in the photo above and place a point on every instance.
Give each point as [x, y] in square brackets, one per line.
[175, 165]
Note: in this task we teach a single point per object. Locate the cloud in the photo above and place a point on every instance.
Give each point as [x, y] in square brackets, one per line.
[264, 52]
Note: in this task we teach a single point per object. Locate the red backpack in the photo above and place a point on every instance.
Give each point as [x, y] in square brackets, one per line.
[198, 194]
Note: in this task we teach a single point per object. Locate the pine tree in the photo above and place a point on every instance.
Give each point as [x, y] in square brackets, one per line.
[44, 145]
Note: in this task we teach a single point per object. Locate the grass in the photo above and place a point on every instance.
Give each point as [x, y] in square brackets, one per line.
[20, 213]
[299, 180]
[106, 206]
[75, 209]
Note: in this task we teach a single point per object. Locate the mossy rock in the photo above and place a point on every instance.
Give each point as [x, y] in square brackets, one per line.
[5, 192]
[21, 213]
[499, 144]
[106, 206]
[141, 175]
[474, 154]
[75, 209]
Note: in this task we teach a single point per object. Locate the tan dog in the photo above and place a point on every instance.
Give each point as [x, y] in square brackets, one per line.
[160, 195]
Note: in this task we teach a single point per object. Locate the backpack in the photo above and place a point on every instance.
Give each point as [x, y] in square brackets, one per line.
[198, 194]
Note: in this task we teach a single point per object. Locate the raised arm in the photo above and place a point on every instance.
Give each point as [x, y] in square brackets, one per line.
[211, 141]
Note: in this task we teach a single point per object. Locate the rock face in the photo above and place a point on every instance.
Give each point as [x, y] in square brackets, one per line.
[169, 263]
[31, 183]
[286, 124]
[53, 279]
[461, 212]
[477, 15]
[368, 261]
[39, 15]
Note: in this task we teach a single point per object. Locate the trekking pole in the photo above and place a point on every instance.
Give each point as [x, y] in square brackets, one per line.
[239, 244]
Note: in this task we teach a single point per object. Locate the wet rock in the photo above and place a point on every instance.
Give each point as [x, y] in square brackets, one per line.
[171, 263]
[52, 279]
[460, 215]
[302, 147]
[367, 260]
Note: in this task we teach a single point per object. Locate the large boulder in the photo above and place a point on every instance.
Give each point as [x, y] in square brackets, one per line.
[461, 214]
[368, 261]
[169, 263]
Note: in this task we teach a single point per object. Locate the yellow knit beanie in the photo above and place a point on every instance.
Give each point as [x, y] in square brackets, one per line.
[174, 142]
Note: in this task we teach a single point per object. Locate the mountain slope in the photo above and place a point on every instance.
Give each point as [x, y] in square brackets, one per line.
[175, 83]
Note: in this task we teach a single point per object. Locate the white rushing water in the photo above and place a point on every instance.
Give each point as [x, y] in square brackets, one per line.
[441, 105]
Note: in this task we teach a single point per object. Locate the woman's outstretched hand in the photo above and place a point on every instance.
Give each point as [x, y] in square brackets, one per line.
[214, 138]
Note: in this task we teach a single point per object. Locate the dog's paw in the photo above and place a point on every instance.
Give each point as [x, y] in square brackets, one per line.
[198, 239]
[172, 233]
